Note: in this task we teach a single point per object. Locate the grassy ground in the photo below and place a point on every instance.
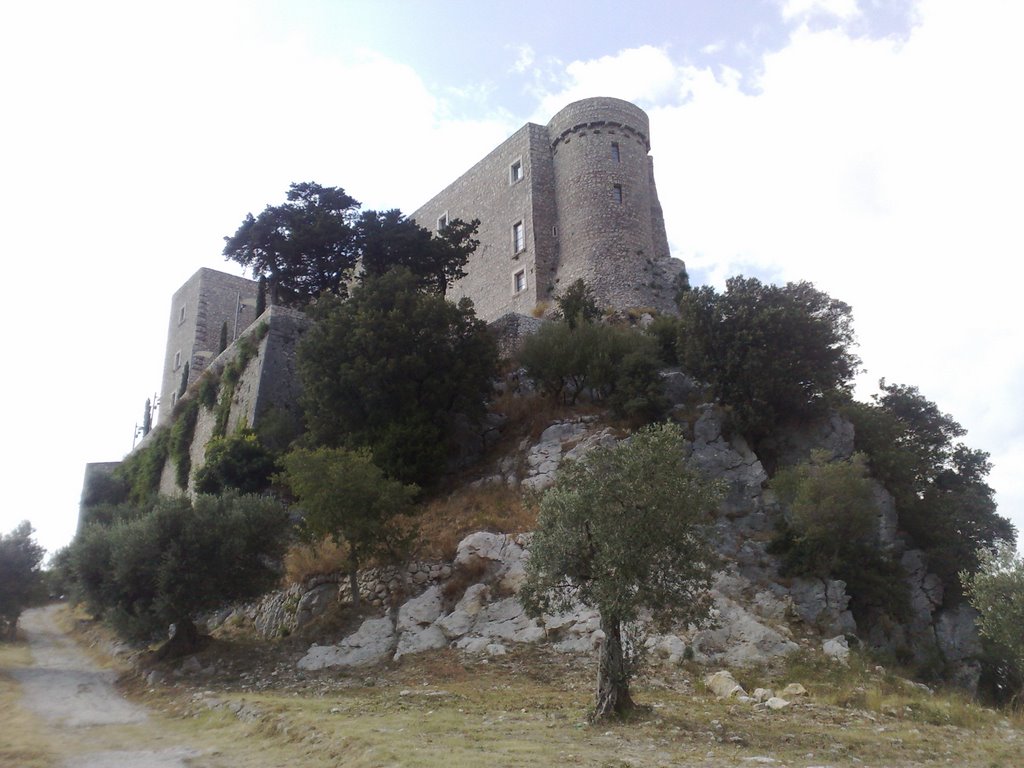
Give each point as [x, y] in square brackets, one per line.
[530, 709]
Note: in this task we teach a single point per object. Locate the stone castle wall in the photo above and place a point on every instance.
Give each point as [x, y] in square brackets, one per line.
[589, 207]
[268, 383]
[199, 309]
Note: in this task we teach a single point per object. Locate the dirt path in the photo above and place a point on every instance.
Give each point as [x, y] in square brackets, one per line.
[89, 724]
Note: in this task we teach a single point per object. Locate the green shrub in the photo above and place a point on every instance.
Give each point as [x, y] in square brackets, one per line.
[182, 432]
[238, 462]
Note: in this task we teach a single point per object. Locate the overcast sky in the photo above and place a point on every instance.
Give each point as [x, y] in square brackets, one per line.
[871, 147]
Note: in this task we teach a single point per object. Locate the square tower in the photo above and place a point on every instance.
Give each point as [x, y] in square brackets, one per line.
[208, 302]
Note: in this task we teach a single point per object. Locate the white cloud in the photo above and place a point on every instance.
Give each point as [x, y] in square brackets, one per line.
[802, 9]
[887, 173]
[524, 59]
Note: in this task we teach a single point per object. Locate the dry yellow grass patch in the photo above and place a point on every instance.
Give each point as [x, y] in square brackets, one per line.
[444, 522]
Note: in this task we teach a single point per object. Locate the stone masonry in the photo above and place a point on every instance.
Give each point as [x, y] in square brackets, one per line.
[573, 199]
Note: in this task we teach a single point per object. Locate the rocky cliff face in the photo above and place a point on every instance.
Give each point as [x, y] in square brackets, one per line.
[470, 604]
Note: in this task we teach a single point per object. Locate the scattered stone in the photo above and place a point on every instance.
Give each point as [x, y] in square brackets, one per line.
[837, 648]
[776, 703]
[724, 685]
[793, 690]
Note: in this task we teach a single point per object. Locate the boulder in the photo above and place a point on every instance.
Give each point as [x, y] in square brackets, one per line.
[837, 648]
[370, 644]
[724, 685]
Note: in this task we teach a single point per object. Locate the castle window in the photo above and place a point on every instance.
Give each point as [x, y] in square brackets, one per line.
[617, 193]
[181, 315]
[442, 221]
[518, 237]
[615, 152]
[519, 281]
[177, 360]
[515, 172]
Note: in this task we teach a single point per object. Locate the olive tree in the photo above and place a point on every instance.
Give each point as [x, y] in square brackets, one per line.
[996, 590]
[623, 530]
[20, 576]
[344, 495]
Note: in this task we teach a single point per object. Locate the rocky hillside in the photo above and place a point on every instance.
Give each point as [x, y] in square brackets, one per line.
[469, 604]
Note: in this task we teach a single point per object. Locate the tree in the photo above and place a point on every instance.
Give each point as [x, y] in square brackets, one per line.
[996, 591]
[772, 354]
[388, 239]
[344, 495]
[616, 364]
[831, 530]
[237, 462]
[177, 559]
[20, 576]
[624, 529]
[576, 304]
[147, 418]
[390, 368]
[943, 500]
[304, 248]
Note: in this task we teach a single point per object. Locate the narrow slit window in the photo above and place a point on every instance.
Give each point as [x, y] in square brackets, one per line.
[617, 193]
[518, 237]
[181, 314]
[616, 157]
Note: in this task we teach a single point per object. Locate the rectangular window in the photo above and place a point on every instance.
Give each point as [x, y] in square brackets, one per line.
[442, 221]
[617, 193]
[518, 237]
[615, 152]
[515, 172]
[519, 281]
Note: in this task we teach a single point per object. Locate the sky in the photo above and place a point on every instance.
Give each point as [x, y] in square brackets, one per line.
[871, 147]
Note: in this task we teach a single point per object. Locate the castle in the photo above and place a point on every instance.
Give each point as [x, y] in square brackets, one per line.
[572, 199]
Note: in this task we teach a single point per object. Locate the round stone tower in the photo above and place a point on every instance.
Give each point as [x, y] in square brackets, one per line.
[611, 229]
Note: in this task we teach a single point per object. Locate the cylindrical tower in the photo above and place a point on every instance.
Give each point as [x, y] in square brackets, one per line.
[610, 228]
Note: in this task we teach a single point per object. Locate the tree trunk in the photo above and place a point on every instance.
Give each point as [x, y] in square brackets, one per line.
[186, 640]
[353, 582]
[612, 675]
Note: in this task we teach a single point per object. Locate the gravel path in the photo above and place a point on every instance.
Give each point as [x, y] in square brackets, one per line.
[91, 721]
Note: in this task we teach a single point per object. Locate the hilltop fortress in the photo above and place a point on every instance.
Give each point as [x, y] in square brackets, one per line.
[572, 199]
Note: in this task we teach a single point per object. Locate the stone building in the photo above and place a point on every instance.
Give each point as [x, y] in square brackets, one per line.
[208, 302]
[573, 199]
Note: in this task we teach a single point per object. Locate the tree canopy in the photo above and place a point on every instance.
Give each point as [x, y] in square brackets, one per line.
[179, 558]
[20, 576]
[310, 246]
[305, 247]
[622, 530]
[344, 495]
[943, 500]
[773, 354]
[388, 239]
[389, 369]
[996, 591]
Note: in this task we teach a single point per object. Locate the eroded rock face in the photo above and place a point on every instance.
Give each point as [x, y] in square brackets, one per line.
[372, 643]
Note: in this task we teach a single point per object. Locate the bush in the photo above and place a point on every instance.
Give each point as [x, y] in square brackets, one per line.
[831, 527]
[996, 591]
[177, 559]
[20, 576]
[603, 362]
[238, 462]
[390, 368]
[773, 354]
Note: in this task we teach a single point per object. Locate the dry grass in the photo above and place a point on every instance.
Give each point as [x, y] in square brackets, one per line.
[303, 561]
[444, 522]
[23, 740]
